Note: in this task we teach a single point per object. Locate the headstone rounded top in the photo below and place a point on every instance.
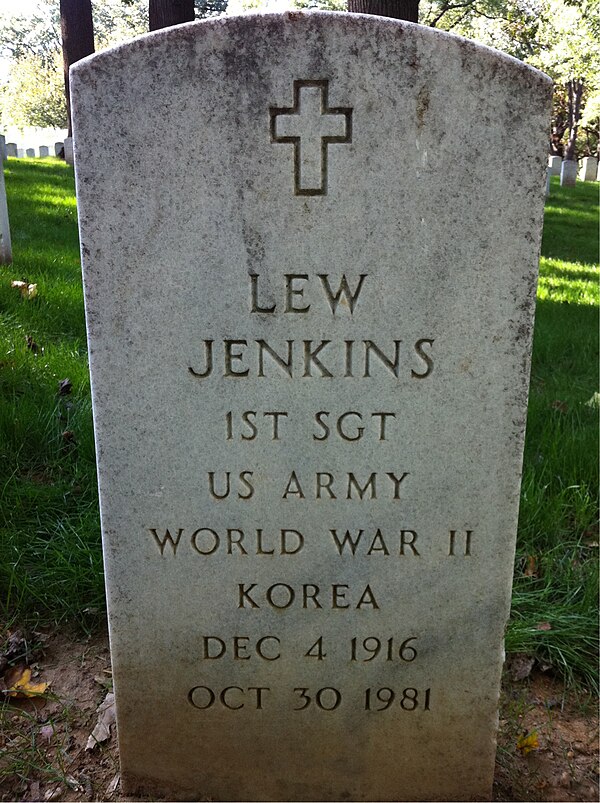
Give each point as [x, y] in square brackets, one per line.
[283, 24]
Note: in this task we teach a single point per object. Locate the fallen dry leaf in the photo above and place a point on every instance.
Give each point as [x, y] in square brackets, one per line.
[543, 626]
[531, 570]
[69, 440]
[520, 665]
[27, 290]
[18, 682]
[31, 344]
[528, 742]
[112, 786]
[561, 406]
[65, 386]
[106, 718]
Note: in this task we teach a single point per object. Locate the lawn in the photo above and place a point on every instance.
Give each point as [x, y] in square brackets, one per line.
[50, 553]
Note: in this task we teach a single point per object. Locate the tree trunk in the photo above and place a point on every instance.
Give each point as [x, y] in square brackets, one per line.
[399, 9]
[170, 12]
[575, 89]
[77, 30]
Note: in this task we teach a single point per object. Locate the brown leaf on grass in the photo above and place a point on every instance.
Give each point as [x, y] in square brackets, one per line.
[18, 682]
[68, 438]
[106, 718]
[561, 406]
[27, 290]
[65, 386]
[31, 344]
[17, 647]
[531, 570]
[528, 742]
[519, 665]
[543, 626]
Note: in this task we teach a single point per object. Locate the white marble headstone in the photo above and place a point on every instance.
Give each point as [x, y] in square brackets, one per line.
[589, 168]
[309, 328]
[21, 153]
[568, 173]
[554, 163]
[58, 147]
[68, 150]
[44, 150]
[11, 148]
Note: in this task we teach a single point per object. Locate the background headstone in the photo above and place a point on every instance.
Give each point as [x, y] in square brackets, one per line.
[5, 244]
[68, 146]
[11, 149]
[309, 397]
[568, 173]
[30, 152]
[554, 163]
[589, 168]
[3, 152]
[21, 153]
[44, 151]
[59, 148]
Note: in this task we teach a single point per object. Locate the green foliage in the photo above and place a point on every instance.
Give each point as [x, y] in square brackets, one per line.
[37, 35]
[560, 37]
[35, 93]
[209, 8]
[323, 5]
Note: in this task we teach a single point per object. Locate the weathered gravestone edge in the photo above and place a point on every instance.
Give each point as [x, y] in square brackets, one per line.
[432, 188]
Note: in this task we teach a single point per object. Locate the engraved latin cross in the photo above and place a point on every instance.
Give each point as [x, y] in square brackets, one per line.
[311, 126]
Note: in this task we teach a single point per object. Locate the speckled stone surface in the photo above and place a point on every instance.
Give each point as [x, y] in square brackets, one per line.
[310, 245]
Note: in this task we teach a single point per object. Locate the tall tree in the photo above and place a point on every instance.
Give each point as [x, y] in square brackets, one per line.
[170, 12]
[399, 9]
[77, 31]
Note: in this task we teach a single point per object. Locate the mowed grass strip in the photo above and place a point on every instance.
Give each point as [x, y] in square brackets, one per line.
[554, 610]
[50, 550]
[50, 554]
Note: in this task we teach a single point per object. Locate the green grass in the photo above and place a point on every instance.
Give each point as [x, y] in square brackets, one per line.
[558, 523]
[50, 554]
[50, 558]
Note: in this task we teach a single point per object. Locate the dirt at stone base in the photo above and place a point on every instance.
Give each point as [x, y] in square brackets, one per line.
[43, 755]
